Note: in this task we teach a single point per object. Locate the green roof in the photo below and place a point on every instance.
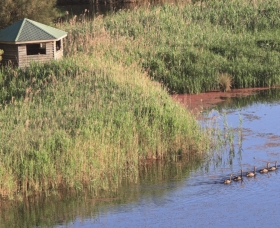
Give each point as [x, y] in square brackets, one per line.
[27, 30]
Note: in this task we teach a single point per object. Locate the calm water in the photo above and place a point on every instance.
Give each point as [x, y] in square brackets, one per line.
[185, 194]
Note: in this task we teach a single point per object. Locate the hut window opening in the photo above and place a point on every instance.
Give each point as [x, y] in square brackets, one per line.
[58, 45]
[36, 49]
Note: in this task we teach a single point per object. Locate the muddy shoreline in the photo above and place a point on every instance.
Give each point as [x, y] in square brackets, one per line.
[198, 102]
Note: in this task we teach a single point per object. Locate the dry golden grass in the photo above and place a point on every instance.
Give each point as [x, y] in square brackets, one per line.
[225, 82]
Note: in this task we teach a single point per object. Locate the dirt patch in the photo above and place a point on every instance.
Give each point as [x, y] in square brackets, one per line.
[198, 102]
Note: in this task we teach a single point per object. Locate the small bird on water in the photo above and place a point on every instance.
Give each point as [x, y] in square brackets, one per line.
[238, 178]
[228, 181]
[265, 170]
[272, 168]
[251, 174]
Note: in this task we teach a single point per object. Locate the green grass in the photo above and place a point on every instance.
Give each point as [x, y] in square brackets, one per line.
[186, 47]
[86, 122]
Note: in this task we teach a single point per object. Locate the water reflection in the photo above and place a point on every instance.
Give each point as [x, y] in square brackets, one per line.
[269, 96]
[61, 208]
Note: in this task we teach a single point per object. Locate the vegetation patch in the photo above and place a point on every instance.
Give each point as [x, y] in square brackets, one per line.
[185, 47]
[86, 122]
[225, 82]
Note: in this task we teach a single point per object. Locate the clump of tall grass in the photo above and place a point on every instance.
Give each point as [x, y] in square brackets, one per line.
[87, 124]
[225, 82]
[17, 83]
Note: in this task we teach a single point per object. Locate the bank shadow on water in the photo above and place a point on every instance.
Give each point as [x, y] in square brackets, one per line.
[266, 96]
[156, 178]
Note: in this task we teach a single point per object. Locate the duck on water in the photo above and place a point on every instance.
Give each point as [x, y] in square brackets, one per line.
[252, 174]
[265, 170]
[273, 168]
[228, 181]
[238, 178]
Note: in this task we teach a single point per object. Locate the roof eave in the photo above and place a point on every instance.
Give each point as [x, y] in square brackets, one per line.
[32, 41]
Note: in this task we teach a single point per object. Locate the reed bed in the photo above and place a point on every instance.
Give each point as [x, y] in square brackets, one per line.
[187, 46]
[86, 122]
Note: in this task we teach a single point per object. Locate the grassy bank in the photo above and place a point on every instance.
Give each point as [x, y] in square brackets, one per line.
[189, 48]
[86, 122]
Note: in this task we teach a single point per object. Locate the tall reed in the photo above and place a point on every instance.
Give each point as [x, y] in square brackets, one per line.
[86, 122]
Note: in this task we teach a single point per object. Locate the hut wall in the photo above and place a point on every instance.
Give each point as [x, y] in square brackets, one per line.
[25, 60]
[10, 53]
[58, 49]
